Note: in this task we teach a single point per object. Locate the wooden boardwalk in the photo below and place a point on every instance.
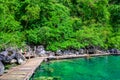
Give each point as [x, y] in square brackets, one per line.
[81, 56]
[78, 56]
[24, 71]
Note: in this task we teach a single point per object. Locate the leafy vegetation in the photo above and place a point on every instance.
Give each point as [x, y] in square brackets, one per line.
[60, 24]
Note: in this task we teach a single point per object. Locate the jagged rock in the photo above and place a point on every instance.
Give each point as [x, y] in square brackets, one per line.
[18, 56]
[81, 51]
[119, 51]
[52, 53]
[58, 53]
[20, 61]
[77, 52]
[49, 53]
[2, 57]
[65, 52]
[91, 50]
[40, 51]
[1, 68]
[5, 59]
[9, 54]
[5, 53]
[113, 51]
[13, 61]
[29, 52]
[72, 51]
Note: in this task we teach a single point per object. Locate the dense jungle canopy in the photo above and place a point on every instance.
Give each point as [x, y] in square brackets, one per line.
[60, 24]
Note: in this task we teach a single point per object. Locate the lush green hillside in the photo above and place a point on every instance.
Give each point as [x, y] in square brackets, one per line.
[60, 24]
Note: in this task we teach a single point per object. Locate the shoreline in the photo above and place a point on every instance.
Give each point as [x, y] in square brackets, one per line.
[26, 70]
[79, 56]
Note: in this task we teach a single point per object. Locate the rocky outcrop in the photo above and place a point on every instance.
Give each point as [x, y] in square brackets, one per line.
[1, 68]
[10, 56]
[40, 51]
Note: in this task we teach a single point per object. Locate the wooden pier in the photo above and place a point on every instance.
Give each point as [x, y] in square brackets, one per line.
[81, 55]
[76, 56]
[24, 71]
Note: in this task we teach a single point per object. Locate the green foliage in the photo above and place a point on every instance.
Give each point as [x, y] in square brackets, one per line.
[115, 16]
[114, 9]
[8, 66]
[60, 24]
[7, 20]
[114, 42]
[15, 39]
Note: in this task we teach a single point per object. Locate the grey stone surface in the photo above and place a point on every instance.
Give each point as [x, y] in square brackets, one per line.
[40, 51]
[1, 68]
[81, 51]
[59, 52]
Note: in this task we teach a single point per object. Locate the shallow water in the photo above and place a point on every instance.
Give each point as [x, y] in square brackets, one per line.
[95, 68]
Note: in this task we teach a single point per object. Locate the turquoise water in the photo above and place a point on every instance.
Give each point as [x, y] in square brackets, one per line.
[95, 68]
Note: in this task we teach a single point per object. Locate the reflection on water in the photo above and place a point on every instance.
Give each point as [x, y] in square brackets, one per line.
[95, 68]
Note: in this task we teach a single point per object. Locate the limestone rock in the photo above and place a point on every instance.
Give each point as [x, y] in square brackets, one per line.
[1, 68]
